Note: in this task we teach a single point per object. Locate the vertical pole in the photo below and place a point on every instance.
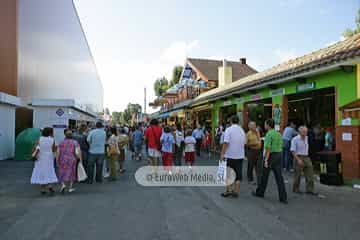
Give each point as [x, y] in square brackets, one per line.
[145, 100]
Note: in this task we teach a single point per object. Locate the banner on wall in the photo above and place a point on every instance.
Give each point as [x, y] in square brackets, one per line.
[277, 92]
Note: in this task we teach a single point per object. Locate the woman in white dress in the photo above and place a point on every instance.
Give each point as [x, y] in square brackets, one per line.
[44, 169]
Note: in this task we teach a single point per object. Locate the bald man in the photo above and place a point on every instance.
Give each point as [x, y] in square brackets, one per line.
[300, 150]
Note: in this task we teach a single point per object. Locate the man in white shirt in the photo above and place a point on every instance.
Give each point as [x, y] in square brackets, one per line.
[300, 150]
[233, 151]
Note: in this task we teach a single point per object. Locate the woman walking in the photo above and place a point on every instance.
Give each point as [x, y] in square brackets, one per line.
[123, 142]
[113, 153]
[67, 157]
[44, 171]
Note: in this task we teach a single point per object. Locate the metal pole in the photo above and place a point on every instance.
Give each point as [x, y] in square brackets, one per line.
[145, 100]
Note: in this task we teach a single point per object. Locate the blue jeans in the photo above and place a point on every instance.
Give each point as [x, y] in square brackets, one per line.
[287, 159]
[97, 159]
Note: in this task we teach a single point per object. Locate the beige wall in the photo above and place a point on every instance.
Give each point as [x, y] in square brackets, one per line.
[8, 46]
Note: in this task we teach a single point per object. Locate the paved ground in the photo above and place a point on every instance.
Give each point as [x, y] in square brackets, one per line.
[125, 210]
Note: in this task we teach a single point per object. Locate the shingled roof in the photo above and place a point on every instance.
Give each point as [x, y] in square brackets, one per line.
[209, 68]
[334, 54]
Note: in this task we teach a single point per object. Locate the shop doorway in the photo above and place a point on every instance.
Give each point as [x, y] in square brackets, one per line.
[316, 110]
[259, 112]
[204, 118]
[226, 113]
[313, 108]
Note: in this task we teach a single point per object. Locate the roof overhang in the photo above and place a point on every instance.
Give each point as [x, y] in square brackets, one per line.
[10, 100]
[70, 103]
[277, 79]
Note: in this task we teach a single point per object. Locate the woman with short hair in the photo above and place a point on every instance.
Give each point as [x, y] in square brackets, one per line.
[67, 156]
[44, 171]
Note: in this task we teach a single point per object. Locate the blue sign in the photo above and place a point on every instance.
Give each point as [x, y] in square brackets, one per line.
[60, 112]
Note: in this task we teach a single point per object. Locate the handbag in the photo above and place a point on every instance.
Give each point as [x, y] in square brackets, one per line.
[112, 150]
[221, 173]
[82, 176]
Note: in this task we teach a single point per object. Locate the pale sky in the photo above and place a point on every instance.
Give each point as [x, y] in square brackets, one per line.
[135, 42]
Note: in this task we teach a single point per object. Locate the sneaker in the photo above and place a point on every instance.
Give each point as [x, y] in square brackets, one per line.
[106, 175]
[312, 193]
[226, 194]
[71, 190]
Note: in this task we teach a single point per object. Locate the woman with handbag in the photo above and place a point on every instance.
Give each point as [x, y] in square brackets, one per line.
[43, 156]
[67, 156]
[113, 153]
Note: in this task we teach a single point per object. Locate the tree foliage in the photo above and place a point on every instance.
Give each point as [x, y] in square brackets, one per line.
[160, 86]
[176, 74]
[351, 32]
[127, 115]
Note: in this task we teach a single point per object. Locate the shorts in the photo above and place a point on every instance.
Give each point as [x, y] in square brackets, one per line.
[190, 157]
[236, 165]
[167, 159]
[152, 152]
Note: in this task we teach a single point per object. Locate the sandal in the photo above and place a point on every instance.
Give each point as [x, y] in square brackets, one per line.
[62, 189]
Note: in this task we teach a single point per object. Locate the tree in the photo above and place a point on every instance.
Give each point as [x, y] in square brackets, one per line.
[132, 110]
[176, 74]
[118, 117]
[349, 32]
[160, 86]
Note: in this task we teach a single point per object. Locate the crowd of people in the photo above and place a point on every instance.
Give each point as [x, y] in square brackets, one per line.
[270, 152]
[83, 146]
[102, 152]
[168, 146]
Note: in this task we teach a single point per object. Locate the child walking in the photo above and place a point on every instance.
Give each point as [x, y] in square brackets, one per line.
[167, 148]
[190, 142]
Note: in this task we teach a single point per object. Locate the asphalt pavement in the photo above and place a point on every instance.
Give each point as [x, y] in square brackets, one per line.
[126, 210]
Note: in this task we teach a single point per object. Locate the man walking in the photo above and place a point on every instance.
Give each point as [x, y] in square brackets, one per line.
[96, 140]
[152, 138]
[80, 137]
[233, 151]
[273, 147]
[300, 151]
[198, 134]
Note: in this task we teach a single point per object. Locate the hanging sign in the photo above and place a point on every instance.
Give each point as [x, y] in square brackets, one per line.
[305, 87]
[277, 92]
[227, 103]
[240, 100]
[256, 97]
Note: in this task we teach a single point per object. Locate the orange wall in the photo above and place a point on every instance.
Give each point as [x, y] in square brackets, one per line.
[8, 46]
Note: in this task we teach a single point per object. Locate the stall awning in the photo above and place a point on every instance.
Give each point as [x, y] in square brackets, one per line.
[177, 113]
[203, 107]
[164, 115]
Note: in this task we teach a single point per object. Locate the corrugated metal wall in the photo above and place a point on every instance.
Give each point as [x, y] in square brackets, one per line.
[54, 59]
